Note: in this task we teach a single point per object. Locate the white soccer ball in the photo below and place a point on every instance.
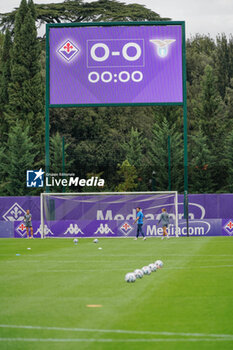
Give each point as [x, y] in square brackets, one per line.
[130, 277]
[96, 240]
[75, 240]
[146, 270]
[152, 267]
[138, 273]
[159, 264]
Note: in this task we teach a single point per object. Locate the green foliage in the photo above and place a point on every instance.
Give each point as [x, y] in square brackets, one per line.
[96, 136]
[5, 68]
[79, 11]
[201, 163]
[5, 79]
[25, 89]
[158, 155]
[223, 61]
[16, 157]
[133, 149]
[229, 103]
[199, 53]
[56, 158]
[56, 154]
[227, 162]
[128, 175]
[95, 188]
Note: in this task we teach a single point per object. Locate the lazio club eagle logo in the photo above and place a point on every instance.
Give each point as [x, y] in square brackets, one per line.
[162, 46]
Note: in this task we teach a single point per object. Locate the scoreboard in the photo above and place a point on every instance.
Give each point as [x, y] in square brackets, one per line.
[123, 64]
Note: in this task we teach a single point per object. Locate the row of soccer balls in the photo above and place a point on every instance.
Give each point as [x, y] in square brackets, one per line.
[145, 270]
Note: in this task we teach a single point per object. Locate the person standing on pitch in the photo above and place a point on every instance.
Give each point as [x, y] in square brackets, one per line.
[139, 220]
[28, 223]
[164, 219]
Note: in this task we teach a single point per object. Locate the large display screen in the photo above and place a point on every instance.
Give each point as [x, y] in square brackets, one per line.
[92, 65]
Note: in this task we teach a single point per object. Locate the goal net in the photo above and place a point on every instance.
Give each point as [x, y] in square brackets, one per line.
[106, 214]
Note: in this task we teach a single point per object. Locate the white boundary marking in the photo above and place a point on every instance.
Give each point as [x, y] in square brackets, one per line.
[93, 340]
[195, 267]
[123, 269]
[118, 331]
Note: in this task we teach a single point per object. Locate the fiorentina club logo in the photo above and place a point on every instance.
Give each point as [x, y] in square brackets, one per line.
[68, 50]
[126, 228]
[21, 229]
[15, 213]
[229, 227]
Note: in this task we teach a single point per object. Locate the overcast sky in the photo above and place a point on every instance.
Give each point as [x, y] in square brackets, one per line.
[201, 16]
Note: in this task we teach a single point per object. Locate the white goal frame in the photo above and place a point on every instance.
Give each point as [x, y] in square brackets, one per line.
[48, 194]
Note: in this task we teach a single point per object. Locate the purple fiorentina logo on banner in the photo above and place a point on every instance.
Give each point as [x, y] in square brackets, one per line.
[228, 227]
[14, 213]
[68, 50]
[21, 229]
[126, 228]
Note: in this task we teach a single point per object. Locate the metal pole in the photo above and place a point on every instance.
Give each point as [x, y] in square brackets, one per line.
[63, 161]
[186, 211]
[47, 160]
[169, 162]
[42, 215]
[176, 213]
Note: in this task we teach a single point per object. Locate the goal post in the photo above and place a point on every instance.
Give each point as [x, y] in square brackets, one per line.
[105, 214]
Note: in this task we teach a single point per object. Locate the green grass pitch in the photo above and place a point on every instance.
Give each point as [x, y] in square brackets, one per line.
[186, 305]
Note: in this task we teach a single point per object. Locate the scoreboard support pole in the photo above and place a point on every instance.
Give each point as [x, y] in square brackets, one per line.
[47, 155]
[185, 128]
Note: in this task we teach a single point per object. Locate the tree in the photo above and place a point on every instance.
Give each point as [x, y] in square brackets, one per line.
[211, 108]
[56, 157]
[133, 148]
[227, 162]
[25, 89]
[202, 162]
[213, 121]
[79, 11]
[6, 68]
[222, 64]
[4, 83]
[200, 52]
[56, 154]
[229, 103]
[158, 156]
[128, 175]
[16, 157]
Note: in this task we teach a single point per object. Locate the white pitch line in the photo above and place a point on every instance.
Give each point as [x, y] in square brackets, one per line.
[123, 269]
[195, 267]
[119, 331]
[93, 340]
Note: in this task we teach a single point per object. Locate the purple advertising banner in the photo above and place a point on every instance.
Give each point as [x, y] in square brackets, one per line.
[115, 64]
[209, 214]
[95, 228]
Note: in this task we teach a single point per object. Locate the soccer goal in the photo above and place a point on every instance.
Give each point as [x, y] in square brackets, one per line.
[105, 214]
